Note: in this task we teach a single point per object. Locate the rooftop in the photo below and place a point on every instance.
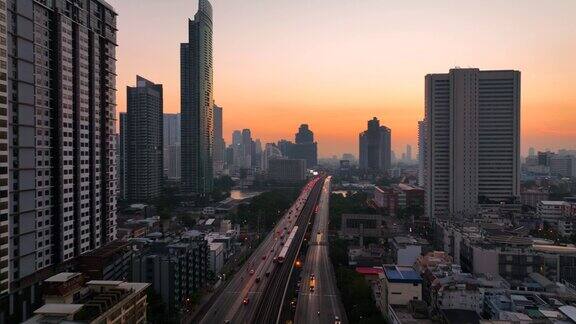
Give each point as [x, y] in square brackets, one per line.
[63, 277]
[401, 274]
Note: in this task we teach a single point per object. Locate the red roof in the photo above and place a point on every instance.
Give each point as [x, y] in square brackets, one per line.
[365, 271]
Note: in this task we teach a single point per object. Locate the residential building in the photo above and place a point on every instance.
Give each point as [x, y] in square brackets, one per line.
[375, 147]
[172, 146]
[61, 91]
[287, 170]
[196, 71]
[472, 140]
[396, 197]
[421, 151]
[123, 157]
[145, 138]
[560, 215]
[171, 129]
[70, 299]
[495, 250]
[219, 144]
[5, 228]
[216, 257]
[109, 262]
[176, 268]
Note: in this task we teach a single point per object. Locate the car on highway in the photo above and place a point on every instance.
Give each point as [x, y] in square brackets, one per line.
[251, 271]
[246, 300]
[337, 320]
[264, 257]
[267, 273]
[312, 282]
[257, 279]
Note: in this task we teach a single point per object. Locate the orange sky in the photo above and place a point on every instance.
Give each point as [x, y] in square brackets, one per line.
[334, 64]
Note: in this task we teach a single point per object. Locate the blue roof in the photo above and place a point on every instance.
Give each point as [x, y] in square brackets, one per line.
[401, 274]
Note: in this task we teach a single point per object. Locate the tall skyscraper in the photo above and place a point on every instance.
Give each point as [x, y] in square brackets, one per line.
[145, 136]
[409, 153]
[375, 147]
[472, 140]
[237, 150]
[196, 74]
[123, 156]
[531, 151]
[247, 149]
[172, 146]
[62, 150]
[421, 151]
[219, 144]
[171, 129]
[5, 227]
[305, 147]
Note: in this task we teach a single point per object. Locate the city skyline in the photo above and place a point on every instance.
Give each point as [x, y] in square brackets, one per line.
[391, 87]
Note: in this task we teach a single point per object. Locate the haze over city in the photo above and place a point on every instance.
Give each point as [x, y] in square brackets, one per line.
[336, 64]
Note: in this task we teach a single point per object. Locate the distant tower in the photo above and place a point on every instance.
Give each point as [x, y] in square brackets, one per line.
[144, 141]
[196, 73]
[305, 147]
[531, 152]
[409, 153]
[219, 144]
[375, 147]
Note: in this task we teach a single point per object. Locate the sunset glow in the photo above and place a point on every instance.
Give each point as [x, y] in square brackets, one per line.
[334, 64]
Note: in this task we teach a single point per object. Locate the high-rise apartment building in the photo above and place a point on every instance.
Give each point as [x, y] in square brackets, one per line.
[123, 157]
[4, 164]
[472, 140]
[219, 144]
[421, 151]
[61, 86]
[172, 146]
[145, 137]
[196, 74]
[409, 153]
[375, 147]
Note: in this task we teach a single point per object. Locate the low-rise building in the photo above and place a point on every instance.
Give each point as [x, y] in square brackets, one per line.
[399, 285]
[70, 299]
[561, 215]
[398, 196]
[406, 250]
[109, 262]
[177, 268]
[362, 225]
[532, 197]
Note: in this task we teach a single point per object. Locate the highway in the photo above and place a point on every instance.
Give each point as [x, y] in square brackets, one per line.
[320, 303]
[242, 297]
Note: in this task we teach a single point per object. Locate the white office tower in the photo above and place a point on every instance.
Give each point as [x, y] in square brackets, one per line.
[472, 153]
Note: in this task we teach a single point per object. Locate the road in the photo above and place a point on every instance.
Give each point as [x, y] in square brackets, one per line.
[324, 297]
[239, 301]
[271, 305]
